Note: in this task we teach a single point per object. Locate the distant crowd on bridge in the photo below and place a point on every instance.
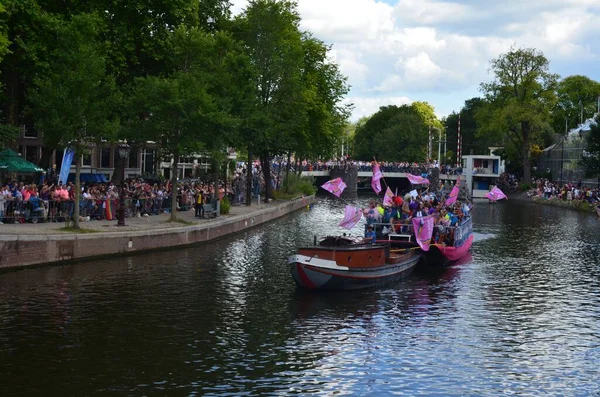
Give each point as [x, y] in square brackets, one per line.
[384, 166]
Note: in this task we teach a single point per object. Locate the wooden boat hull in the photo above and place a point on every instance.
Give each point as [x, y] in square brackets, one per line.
[348, 269]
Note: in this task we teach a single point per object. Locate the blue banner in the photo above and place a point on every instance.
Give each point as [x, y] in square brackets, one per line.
[65, 167]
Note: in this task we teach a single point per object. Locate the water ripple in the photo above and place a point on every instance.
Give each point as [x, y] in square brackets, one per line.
[522, 317]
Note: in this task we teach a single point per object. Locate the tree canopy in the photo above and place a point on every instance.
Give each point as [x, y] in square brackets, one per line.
[396, 133]
[577, 98]
[518, 101]
[591, 156]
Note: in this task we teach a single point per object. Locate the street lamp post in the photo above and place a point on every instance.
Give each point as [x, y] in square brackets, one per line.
[123, 150]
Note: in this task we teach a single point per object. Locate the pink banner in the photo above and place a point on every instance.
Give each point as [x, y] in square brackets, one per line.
[495, 194]
[453, 195]
[335, 186]
[351, 217]
[423, 227]
[417, 180]
[387, 198]
[376, 185]
[377, 175]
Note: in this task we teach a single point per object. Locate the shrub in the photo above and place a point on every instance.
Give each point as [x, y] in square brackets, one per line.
[296, 184]
[585, 206]
[525, 187]
[225, 206]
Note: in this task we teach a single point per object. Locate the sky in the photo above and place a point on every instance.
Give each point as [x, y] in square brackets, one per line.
[398, 51]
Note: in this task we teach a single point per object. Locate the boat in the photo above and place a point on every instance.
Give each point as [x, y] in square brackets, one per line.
[438, 254]
[349, 263]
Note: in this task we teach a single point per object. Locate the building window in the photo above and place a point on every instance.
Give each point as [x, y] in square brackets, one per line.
[133, 157]
[148, 162]
[105, 157]
[29, 131]
[31, 154]
[86, 160]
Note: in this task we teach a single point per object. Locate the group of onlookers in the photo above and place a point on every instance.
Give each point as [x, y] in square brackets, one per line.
[544, 188]
[51, 201]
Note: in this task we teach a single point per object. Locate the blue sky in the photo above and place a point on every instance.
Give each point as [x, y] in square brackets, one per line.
[398, 51]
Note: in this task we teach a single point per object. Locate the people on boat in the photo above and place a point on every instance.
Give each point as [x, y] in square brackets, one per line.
[370, 235]
[397, 216]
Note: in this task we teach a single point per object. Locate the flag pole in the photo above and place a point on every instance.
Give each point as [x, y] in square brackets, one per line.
[382, 177]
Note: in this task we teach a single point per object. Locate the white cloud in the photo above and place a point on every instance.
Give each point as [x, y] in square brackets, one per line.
[439, 50]
[429, 12]
[366, 106]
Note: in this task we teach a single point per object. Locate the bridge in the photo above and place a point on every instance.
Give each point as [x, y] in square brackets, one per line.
[368, 174]
[397, 181]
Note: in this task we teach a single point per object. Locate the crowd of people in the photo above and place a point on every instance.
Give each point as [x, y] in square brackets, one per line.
[384, 166]
[55, 202]
[544, 188]
[396, 217]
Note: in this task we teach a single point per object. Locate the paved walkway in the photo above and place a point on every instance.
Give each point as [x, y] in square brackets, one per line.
[154, 222]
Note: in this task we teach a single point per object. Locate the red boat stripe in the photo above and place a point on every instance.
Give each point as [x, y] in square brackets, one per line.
[305, 280]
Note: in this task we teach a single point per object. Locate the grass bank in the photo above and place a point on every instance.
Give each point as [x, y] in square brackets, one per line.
[577, 205]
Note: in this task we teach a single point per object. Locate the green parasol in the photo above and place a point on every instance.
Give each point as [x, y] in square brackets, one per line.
[11, 161]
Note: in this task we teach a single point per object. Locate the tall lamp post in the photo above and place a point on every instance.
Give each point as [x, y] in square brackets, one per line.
[123, 150]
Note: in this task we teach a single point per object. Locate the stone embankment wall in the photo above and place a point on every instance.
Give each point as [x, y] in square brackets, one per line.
[25, 250]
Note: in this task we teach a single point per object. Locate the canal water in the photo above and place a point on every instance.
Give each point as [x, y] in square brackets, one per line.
[520, 317]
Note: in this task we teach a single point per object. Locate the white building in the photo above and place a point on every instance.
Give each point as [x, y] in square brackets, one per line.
[482, 173]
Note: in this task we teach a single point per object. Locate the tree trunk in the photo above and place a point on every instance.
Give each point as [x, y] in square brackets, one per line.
[526, 151]
[117, 175]
[266, 168]
[226, 178]
[12, 89]
[278, 176]
[77, 192]
[215, 180]
[45, 159]
[249, 179]
[174, 186]
[287, 171]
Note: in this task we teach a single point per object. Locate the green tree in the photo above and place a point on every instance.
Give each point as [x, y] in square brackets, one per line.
[8, 134]
[3, 33]
[324, 88]
[468, 129]
[270, 32]
[591, 155]
[75, 102]
[30, 32]
[394, 133]
[519, 100]
[178, 111]
[577, 98]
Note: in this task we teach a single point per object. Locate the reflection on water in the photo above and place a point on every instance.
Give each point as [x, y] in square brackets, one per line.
[521, 316]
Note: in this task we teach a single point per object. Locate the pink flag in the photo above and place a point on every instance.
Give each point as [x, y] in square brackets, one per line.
[495, 194]
[351, 217]
[387, 198]
[335, 186]
[377, 175]
[453, 195]
[417, 180]
[423, 227]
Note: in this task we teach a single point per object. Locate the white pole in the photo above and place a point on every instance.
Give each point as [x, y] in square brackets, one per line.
[445, 144]
[439, 145]
[429, 147]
